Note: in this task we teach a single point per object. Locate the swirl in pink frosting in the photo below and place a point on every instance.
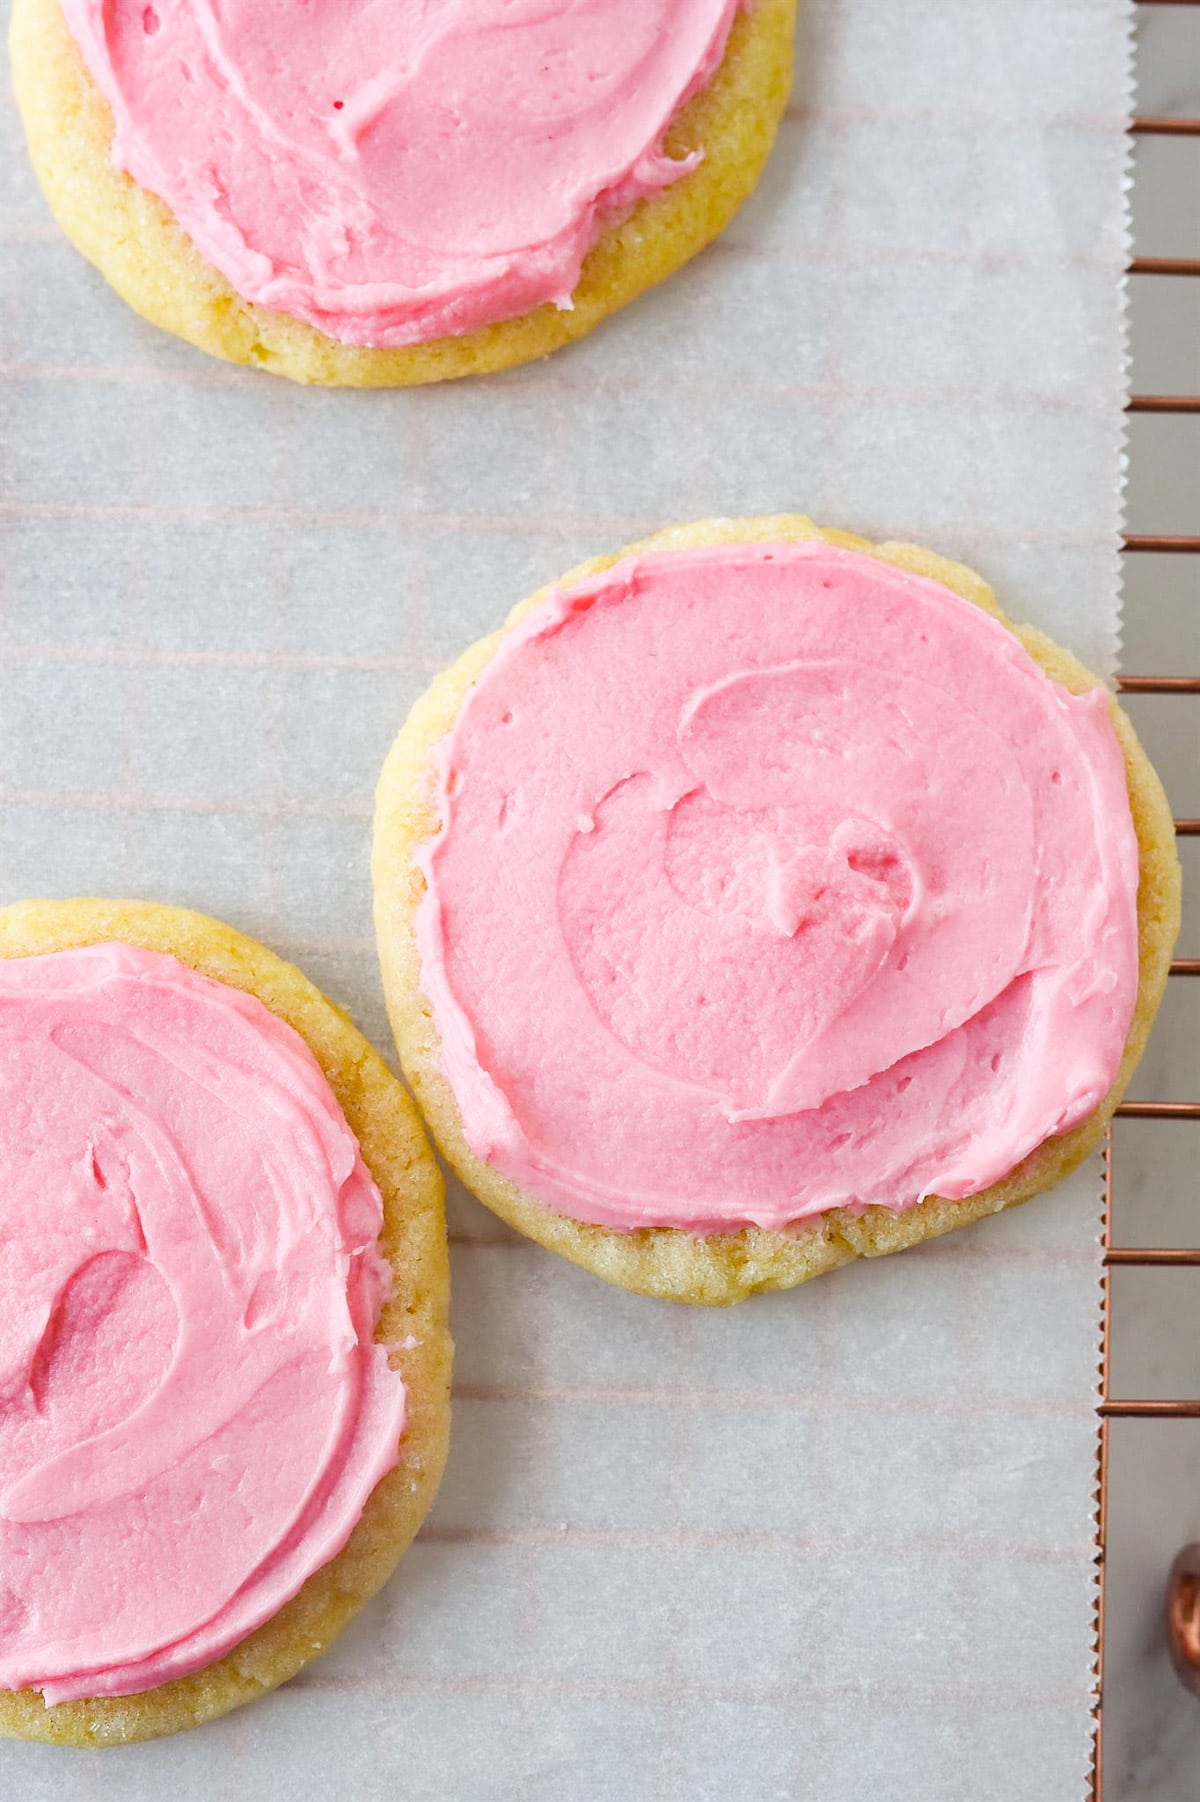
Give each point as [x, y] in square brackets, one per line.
[771, 879]
[394, 171]
[192, 1408]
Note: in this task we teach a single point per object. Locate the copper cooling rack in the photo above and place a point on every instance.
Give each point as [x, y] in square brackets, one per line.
[1183, 1589]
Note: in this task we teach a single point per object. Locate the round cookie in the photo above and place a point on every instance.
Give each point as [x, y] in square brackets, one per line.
[725, 1266]
[134, 240]
[413, 1322]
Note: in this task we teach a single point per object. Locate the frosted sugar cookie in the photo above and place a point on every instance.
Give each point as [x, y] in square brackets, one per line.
[761, 898]
[224, 1362]
[377, 192]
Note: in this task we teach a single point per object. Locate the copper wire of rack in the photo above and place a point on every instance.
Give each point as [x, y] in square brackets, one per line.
[1183, 1585]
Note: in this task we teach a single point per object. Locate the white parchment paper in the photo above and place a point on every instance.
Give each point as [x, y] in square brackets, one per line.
[836, 1544]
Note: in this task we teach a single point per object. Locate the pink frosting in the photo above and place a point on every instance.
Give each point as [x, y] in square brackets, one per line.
[394, 170]
[192, 1408]
[771, 879]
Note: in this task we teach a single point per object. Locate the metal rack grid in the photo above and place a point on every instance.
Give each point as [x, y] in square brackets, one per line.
[1183, 1594]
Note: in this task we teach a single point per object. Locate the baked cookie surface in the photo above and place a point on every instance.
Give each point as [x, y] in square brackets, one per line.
[711, 1265]
[412, 1323]
[135, 241]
